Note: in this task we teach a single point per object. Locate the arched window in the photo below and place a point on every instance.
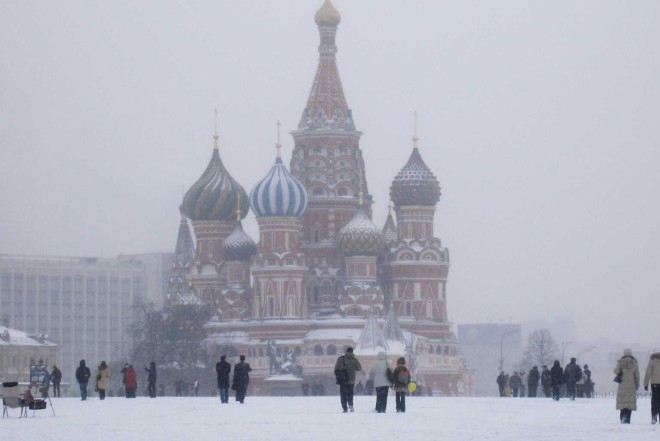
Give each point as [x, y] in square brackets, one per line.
[318, 191]
[342, 191]
[318, 350]
[332, 350]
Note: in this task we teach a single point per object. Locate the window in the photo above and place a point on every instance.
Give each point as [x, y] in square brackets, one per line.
[318, 350]
[332, 350]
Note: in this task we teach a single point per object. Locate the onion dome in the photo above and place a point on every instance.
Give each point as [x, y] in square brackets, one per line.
[238, 246]
[327, 15]
[389, 230]
[214, 195]
[415, 184]
[361, 237]
[279, 194]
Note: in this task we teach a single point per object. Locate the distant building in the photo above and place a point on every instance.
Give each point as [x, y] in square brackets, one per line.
[489, 348]
[85, 305]
[19, 350]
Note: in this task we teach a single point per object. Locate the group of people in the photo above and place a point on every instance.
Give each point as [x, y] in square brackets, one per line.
[383, 378]
[240, 381]
[576, 380]
[102, 379]
[627, 376]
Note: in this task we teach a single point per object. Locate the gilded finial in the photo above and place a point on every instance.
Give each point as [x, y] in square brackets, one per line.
[415, 138]
[389, 208]
[238, 207]
[278, 145]
[215, 133]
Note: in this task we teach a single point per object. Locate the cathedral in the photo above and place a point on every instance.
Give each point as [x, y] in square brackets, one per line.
[322, 276]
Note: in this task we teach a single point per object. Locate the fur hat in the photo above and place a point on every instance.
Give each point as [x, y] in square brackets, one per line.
[627, 351]
[349, 350]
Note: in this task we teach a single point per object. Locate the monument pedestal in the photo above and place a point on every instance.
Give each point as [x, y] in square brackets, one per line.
[285, 385]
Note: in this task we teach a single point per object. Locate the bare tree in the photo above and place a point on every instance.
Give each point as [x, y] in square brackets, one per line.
[541, 349]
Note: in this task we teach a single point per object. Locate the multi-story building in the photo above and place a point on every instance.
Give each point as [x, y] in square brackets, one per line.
[18, 351]
[85, 305]
[322, 276]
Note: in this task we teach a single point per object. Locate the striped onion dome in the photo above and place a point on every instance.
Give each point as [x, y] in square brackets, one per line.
[215, 194]
[415, 184]
[361, 237]
[279, 194]
[238, 246]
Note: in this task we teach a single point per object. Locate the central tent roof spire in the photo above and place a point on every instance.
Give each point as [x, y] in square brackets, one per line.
[326, 106]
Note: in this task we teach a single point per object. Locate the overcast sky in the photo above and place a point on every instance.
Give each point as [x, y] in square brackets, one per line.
[540, 120]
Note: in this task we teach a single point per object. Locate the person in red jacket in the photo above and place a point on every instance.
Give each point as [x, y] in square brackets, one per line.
[130, 380]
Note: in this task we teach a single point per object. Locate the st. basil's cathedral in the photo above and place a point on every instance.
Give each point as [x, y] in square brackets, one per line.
[322, 275]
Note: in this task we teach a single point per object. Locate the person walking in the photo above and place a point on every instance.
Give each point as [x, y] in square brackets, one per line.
[223, 369]
[82, 376]
[652, 377]
[533, 379]
[588, 384]
[241, 379]
[501, 382]
[546, 381]
[151, 379]
[381, 375]
[102, 377]
[626, 392]
[351, 365]
[556, 379]
[56, 379]
[402, 378]
[516, 383]
[129, 380]
[572, 374]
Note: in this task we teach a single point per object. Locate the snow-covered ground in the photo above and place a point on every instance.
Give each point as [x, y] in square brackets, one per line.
[320, 418]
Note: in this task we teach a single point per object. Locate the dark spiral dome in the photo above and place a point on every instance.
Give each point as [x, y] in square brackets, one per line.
[415, 184]
[215, 194]
[238, 246]
[361, 237]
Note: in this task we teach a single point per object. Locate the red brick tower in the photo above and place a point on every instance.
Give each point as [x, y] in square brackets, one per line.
[328, 161]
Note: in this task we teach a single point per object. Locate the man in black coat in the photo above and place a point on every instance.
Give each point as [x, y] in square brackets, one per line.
[223, 368]
[151, 379]
[533, 382]
[241, 379]
[56, 379]
[501, 382]
[556, 379]
[82, 376]
[572, 374]
[546, 382]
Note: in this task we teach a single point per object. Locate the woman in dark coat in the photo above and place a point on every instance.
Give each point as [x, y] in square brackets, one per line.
[151, 379]
[401, 380]
[556, 379]
[241, 379]
[223, 368]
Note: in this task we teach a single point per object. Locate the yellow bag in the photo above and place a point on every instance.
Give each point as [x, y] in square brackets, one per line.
[412, 387]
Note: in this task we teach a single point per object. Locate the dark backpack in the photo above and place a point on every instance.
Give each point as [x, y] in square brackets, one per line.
[404, 376]
[341, 374]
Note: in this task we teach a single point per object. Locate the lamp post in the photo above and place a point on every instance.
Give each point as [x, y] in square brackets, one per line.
[502, 347]
[584, 351]
[563, 349]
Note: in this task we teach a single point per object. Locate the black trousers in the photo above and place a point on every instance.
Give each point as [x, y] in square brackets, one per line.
[102, 394]
[240, 393]
[346, 395]
[625, 415]
[400, 401]
[56, 389]
[152, 390]
[532, 391]
[381, 398]
[570, 390]
[555, 393]
[655, 399]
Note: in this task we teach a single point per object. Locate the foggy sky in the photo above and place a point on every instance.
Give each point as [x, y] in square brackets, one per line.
[540, 120]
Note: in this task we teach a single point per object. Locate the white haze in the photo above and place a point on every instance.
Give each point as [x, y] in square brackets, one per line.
[540, 120]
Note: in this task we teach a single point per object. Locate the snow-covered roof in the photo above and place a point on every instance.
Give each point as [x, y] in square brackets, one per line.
[10, 336]
[333, 334]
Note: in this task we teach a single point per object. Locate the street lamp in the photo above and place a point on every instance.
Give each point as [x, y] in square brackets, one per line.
[584, 351]
[563, 349]
[502, 347]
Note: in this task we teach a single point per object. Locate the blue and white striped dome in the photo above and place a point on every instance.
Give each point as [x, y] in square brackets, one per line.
[279, 194]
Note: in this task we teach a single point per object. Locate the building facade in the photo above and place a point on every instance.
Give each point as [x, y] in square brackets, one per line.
[322, 275]
[84, 305]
